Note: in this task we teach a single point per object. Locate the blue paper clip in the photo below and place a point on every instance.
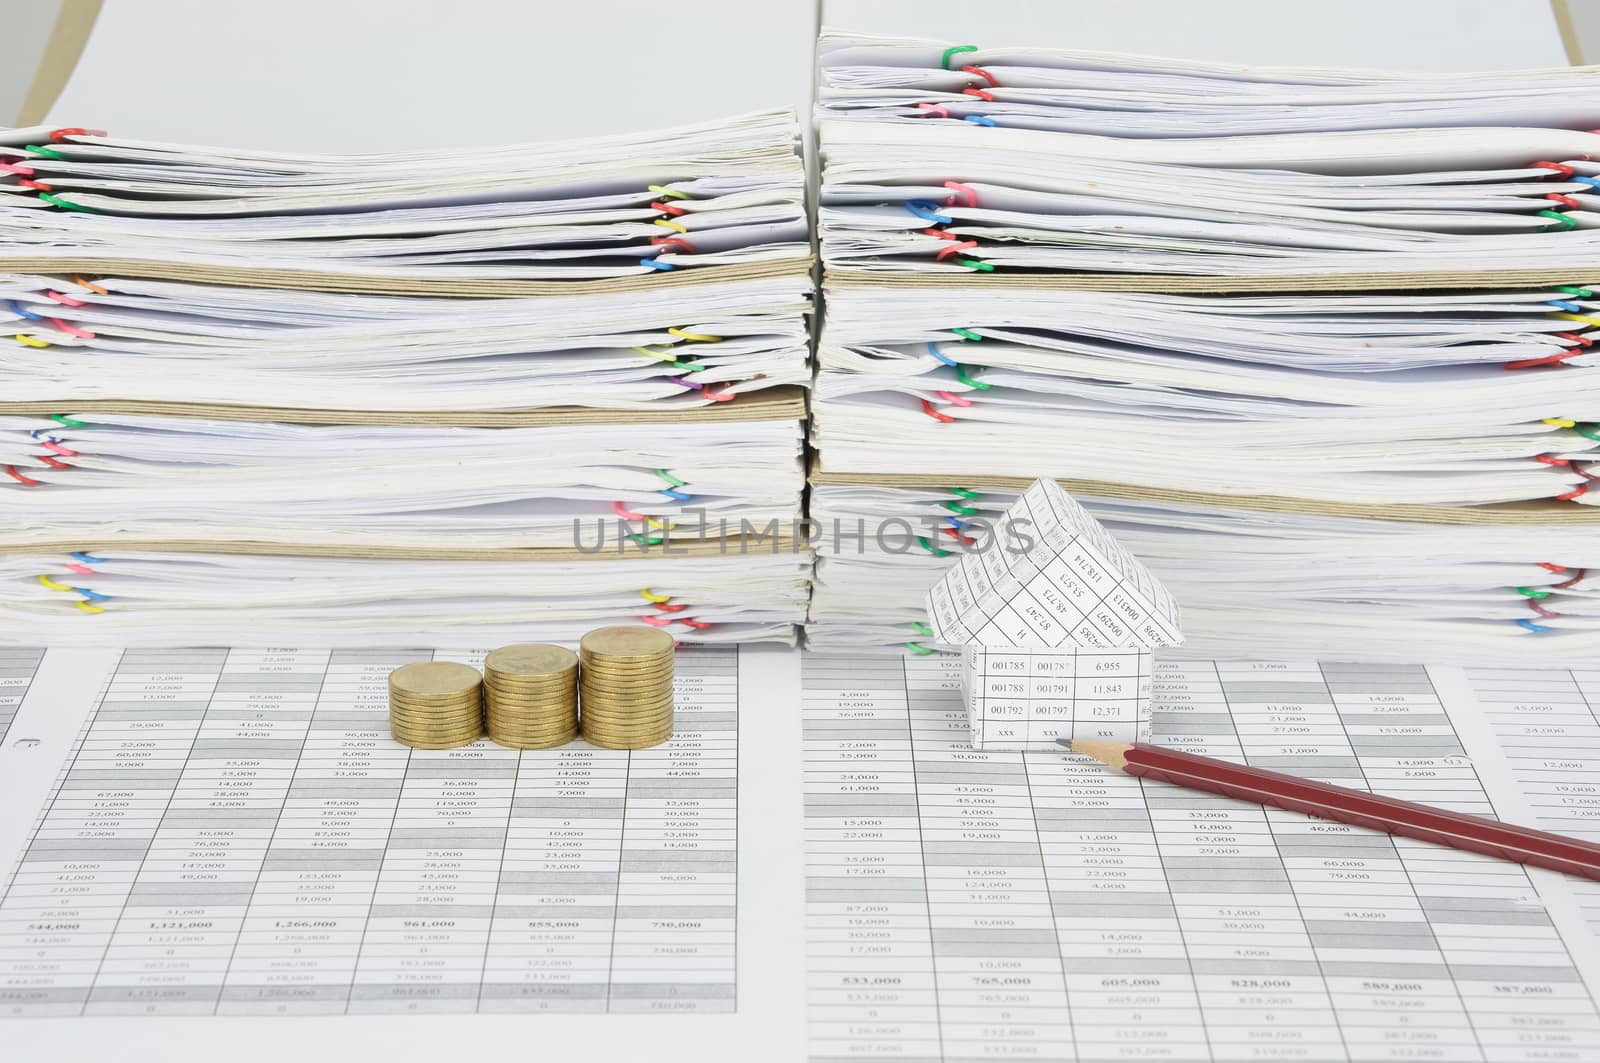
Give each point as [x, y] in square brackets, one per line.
[1538, 629]
[680, 496]
[979, 119]
[1562, 304]
[928, 212]
[653, 264]
[87, 558]
[933, 349]
[18, 308]
[93, 596]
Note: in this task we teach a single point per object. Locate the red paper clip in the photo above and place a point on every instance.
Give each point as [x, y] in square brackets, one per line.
[927, 408]
[623, 512]
[933, 109]
[946, 252]
[698, 625]
[987, 97]
[1565, 201]
[969, 198]
[984, 74]
[11, 470]
[1563, 170]
[673, 241]
[667, 208]
[1573, 582]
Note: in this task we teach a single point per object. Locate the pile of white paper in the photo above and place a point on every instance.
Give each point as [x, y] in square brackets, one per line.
[513, 393]
[1316, 344]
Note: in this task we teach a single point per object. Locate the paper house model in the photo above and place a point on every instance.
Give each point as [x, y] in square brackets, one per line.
[1056, 623]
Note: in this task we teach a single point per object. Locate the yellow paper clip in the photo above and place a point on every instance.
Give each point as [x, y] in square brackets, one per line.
[667, 193]
[694, 337]
[1560, 422]
[1564, 316]
[53, 585]
[30, 341]
[650, 596]
[86, 607]
[654, 523]
[665, 355]
[674, 226]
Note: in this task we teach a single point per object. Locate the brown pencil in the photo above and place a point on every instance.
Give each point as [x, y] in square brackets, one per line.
[1407, 818]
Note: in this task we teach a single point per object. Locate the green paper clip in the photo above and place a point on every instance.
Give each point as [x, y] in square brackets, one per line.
[60, 418]
[1588, 431]
[957, 507]
[919, 649]
[920, 628]
[1556, 216]
[671, 479]
[961, 375]
[57, 201]
[944, 60]
[972, 263]
[1581, 293]
[964, 492]
[39, 149]
[1529, 592]
[922, 541]
[966, 334]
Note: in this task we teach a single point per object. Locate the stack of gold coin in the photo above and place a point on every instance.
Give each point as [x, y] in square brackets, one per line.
[530, 695]
[627, 686]
[435, 704]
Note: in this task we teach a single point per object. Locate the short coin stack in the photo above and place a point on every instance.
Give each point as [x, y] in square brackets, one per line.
[530, 695]
[627, 687]
[435, 704]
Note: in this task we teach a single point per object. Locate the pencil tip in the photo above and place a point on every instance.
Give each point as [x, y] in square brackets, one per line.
[1112, 753]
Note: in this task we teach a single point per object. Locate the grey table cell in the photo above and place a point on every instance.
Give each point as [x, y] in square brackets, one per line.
[194, 659]
[569, 807]
[183, 894]
[562, 913]
[105, 850]
[1103, 965]
[854, 891]
[269, 683]
[439, 991]
[286, 858]
[667, 789]
[1395, 719]
[448, 837]
[1388, 747]
[274, 713]
[1244, 866]
[431, 911]
[1341, 846]
[672, 991]
[245, 749]
[1332, 968]
[1223, 880]
[1095, 820]
[163, 995]
[1359, 934]
[676, 911]
[41, 997]
[844, 806]
[817, 730]
[558, 881]
[1165, 724]
[336, 789]
[1257, 968]
[1088, 905]
[573, 991]
[384, 658]
[143, 711]
[1482, 911]
[1269, 692]
[120, 779]
[1472, 972]
[461, 770]
[235, 993]
[651, 860]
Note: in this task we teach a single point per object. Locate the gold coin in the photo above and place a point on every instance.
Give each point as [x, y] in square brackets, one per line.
[594, 660]
[432, 727]
[626, 640]
[464, 708]
[629, 726]
[469, 713]
[661, 727]
[631, 706]
[518, 742]
[642, 696]
[434, 678]
[637, 743]
[532, 729]
[625, 675]
[548, 694]
[453, 744]
[439, 735]
[530, 658]
[532, 705]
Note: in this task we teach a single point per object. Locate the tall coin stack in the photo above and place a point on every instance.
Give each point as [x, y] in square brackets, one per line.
[530, 694]
[627, 687]
[435, 704]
